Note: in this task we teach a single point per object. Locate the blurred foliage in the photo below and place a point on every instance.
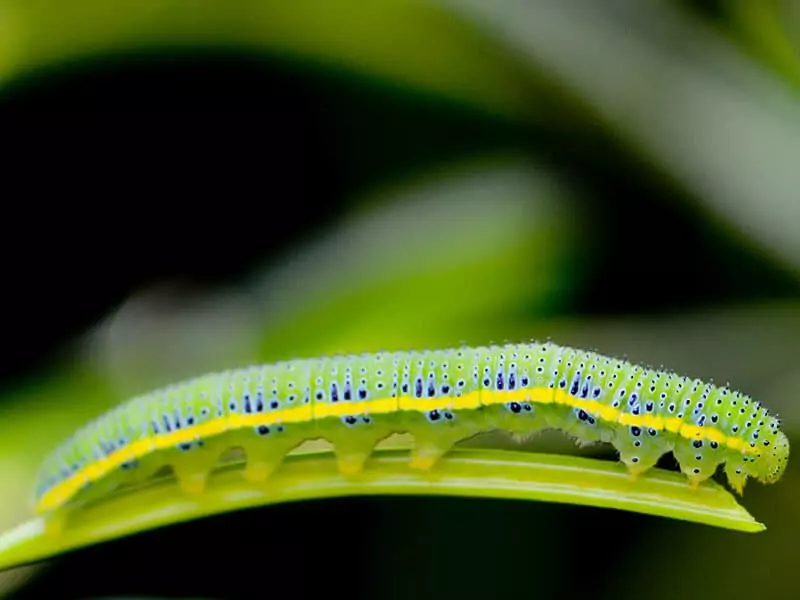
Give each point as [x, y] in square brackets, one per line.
[618, 175]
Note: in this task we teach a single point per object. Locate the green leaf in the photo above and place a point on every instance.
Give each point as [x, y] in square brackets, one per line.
[313, 474]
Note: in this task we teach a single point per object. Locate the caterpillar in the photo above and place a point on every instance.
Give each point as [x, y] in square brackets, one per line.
[439, 396]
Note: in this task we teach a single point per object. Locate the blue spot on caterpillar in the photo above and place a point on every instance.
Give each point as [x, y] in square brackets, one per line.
[439, 396]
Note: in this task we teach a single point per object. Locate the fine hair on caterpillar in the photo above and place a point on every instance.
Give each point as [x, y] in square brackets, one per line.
[439, 396]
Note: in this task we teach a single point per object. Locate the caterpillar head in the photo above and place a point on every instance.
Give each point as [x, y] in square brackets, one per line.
[772, 463]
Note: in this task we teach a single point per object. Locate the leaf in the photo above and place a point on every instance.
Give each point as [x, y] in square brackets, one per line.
[313, 474]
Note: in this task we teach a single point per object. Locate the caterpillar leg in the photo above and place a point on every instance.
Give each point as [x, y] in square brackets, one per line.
[55, 523]
[430, 447]
[258, 470]
[267, 447]
[350, 463]
[193, 463]
[192, 471]
[698, 459]
[437, 431]
[353, 448]
[639, 449]
[354, 438]
[264, 457]
[426, 454]
[736, 475]
[637, 464]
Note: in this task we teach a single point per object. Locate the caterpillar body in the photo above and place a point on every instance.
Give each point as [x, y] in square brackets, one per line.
[439, 396]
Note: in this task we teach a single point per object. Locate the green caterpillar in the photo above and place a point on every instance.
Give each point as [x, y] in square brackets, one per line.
[439, 396]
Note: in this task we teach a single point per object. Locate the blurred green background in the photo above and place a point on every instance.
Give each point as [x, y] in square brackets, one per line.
[195, 186]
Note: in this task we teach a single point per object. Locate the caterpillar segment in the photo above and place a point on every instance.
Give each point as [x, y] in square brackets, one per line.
[439, 396]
